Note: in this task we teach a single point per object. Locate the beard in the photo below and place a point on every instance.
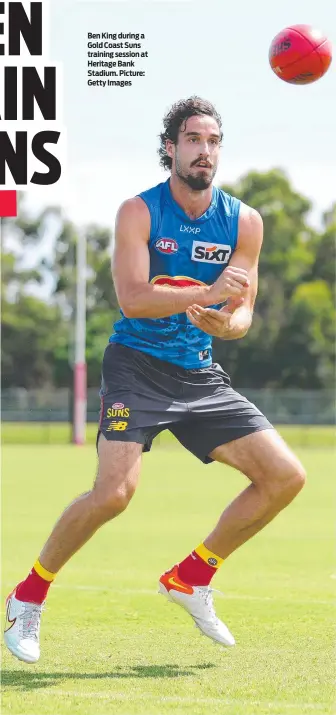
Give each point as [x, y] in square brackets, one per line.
[196, 183]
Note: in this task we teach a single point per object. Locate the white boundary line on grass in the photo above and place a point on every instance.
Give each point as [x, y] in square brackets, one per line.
[225, 596]
[228, 597]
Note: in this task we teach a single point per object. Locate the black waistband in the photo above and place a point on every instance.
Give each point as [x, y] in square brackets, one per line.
[168, 368]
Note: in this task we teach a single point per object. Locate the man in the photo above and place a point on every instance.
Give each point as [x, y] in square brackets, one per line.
[185, 269]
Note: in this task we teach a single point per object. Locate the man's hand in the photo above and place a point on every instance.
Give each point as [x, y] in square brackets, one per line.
[229, 323]
[237, 285]
[213, 322]
[233, 281]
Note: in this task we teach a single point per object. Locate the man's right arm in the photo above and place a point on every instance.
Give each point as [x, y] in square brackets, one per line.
[130, 269]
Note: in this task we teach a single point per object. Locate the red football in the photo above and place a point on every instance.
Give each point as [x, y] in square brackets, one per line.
[300, 54]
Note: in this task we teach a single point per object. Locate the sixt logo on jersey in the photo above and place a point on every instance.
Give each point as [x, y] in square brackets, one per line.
[166, 245]
[210, 253]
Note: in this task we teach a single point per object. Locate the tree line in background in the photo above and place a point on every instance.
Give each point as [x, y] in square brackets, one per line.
[291, 342]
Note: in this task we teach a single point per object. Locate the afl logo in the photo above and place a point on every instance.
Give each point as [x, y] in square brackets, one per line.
[166, 245]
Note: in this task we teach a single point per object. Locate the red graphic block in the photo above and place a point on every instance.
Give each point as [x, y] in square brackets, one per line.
[8, 204]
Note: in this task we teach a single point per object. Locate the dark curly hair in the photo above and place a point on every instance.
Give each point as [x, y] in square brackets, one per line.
[173, 120]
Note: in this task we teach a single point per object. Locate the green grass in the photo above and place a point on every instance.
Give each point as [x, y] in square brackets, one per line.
[112, 646]
[60, 433]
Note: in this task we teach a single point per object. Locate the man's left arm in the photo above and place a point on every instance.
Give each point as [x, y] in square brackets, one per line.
[235, 318]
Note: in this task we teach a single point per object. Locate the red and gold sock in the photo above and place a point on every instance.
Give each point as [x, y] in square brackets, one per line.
[199, 567]
[36, 586]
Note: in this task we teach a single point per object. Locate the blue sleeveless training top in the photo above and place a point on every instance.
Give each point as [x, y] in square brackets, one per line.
[183, 252]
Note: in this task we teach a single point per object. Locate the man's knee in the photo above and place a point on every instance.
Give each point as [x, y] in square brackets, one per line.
[110, 501]
[286, 481]
[117, 478]
[116, 501]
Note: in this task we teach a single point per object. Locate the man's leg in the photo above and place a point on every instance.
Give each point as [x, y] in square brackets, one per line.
[277, 476]
[116, 481]
[115, 484]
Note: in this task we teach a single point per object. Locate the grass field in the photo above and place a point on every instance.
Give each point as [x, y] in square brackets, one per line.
[112, 646]
[60, 433]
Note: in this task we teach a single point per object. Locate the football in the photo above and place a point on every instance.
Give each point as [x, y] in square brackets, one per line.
[300, 54]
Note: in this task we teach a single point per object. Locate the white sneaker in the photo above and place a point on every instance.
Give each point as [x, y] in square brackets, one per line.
[197, 601]
[22, 629]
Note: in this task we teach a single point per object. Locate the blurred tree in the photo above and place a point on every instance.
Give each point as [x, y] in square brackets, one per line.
[55, 269]
[324, 265]
[31, 332]
[293, 257]
[101, 301]
[305, 348]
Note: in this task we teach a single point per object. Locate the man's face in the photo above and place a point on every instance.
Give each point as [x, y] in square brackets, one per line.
[195, 155]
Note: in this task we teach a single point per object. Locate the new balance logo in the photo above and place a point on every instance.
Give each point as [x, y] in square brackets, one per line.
[116, 426]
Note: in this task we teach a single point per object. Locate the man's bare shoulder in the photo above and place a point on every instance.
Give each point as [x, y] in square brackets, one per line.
[249, 218]
[133, 208]
[250, 226]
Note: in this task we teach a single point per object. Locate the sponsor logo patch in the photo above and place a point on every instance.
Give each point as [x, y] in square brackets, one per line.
[212, 562]
[118, 406]
[204, 354]
[116, 426]
[190, 229]
[166, 245]
[210, 252]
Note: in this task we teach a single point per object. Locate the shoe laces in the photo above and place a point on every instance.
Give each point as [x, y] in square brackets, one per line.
[205, 593]
[30, 621]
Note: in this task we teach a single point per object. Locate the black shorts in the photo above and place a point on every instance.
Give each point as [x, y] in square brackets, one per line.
[141, 396]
